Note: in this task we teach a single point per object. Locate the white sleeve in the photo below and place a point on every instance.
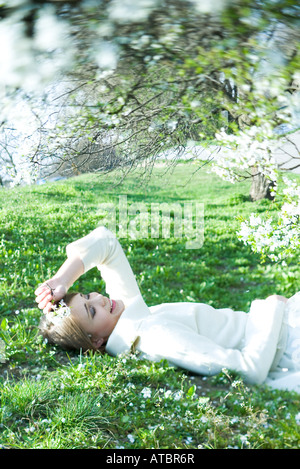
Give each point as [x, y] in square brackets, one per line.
[101, 249]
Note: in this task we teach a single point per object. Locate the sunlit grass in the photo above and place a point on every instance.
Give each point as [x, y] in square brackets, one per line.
[51, 399]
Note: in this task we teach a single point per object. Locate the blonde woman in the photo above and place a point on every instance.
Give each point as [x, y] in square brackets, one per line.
[193, 336]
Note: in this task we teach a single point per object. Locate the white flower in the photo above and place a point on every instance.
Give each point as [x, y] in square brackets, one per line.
[253, 147]
[50, 31]
[58, 313]
[205, 6]
[178, 395]
[254, 220]
[203, 419]
[244, 439]
[124, 11]
[131, 438]
[172, 125]
[146, 392]
[106, 56]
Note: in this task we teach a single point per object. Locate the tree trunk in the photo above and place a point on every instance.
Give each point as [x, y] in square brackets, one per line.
[261, 186]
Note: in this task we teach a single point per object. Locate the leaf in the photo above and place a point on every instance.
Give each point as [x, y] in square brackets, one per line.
[4, 324]
[191, 391]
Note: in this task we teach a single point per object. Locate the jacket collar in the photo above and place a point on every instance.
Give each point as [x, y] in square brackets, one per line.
[125, 333]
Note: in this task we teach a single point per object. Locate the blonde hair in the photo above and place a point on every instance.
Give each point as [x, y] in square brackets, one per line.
[67, 334]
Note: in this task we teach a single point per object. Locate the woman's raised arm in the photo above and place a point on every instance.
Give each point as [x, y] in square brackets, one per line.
[100, 249]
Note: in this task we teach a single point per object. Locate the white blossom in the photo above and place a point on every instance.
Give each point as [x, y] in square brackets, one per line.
[58, 313]
[131, 438]
[106, 55]
[253, 147]
[207, 6]
[275, 236]
[146, 392]
[50, 31]
[123, 11]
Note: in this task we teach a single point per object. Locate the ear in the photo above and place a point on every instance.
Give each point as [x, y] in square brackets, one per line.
[97, 342]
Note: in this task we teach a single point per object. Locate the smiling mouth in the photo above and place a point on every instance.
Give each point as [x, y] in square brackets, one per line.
[112, 305]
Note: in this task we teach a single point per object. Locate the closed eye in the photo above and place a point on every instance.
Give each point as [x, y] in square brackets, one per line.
[92, 311]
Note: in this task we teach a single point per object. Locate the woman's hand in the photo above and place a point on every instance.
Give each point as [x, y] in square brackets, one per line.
[51, 291]
[56, 287]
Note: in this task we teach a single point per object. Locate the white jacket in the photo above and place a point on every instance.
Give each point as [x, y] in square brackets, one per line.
[193, 336]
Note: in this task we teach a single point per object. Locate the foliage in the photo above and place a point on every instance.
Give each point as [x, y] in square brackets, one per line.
[51, 399]
[140, 79]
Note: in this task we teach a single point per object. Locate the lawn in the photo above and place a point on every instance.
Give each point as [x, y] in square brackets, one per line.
[53, 399]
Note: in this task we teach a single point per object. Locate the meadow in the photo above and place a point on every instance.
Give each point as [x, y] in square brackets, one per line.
[53, 399]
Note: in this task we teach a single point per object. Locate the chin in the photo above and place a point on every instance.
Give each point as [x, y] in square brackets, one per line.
[121, 306]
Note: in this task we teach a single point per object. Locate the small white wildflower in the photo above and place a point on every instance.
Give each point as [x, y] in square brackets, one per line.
[130, 386]
[29, 429]
[146, 392]
[236, 383]
[244, 439]
[131, 438]
[203, 419]
[234, 420]
[178, 395]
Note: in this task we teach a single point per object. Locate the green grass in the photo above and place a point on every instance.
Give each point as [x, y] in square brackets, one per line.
[51, 399]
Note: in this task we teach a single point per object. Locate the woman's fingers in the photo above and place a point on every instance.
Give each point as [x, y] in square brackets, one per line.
[47, 293]
[42, 295]
[44, 301]
[47, 308]
[41, 288]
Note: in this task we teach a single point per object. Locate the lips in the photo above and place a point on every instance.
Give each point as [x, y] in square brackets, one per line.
[113, 305]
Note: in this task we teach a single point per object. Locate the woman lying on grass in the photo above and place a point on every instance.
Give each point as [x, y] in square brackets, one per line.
[260, 345]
